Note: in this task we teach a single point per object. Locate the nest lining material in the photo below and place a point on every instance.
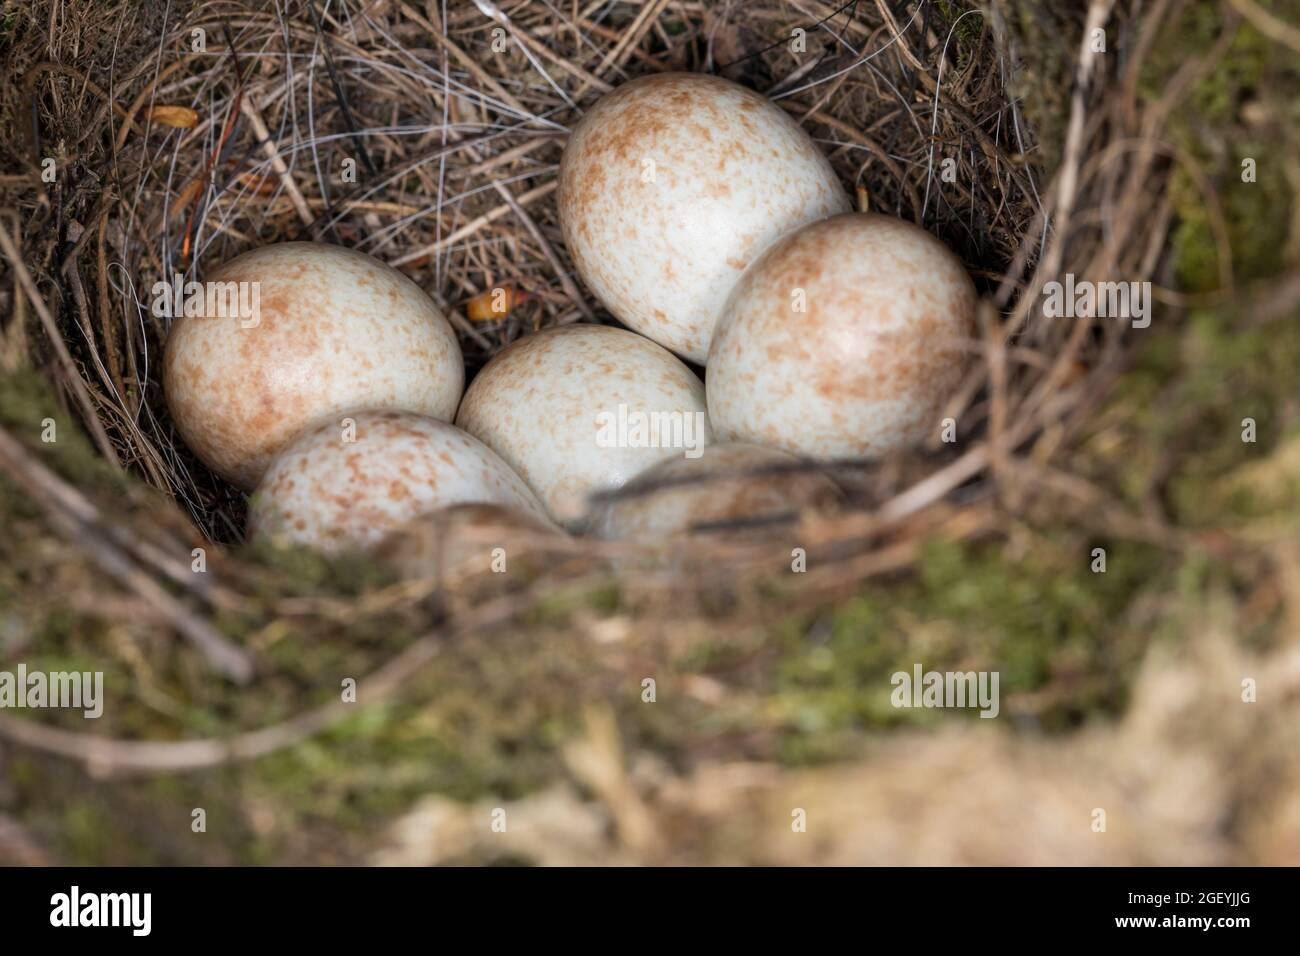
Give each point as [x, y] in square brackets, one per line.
[454, 136]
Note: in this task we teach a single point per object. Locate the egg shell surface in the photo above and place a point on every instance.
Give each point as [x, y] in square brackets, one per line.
[845, 338]
[334, 329]
[670, 185]
[583, 408]
[333, 494]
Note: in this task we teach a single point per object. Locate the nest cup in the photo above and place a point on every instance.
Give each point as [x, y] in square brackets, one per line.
[191, 134]
[345, 147]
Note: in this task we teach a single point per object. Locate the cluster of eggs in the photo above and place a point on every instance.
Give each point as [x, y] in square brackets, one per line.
[709, 224]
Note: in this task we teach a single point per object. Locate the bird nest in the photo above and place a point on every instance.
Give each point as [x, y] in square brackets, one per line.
[145, 140]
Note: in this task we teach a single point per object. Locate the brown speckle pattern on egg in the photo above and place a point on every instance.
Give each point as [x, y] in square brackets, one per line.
[670, 185]
[562, 407]
[844, 339]
[335, 330]
[332, 494]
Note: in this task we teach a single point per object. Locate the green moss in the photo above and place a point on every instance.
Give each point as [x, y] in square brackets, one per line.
[1041, 618]
[965, 30]
[300, 571]
[1190, 392]
[1212, 131]
[30, 412]
[1257, 229]
[1045, 42]
[86, 831]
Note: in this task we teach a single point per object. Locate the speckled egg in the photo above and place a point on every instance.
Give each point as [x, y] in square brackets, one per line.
[844, 339]
[670, 185]
[583, 408]
[348, 483]
[731, 484]
[329, 329]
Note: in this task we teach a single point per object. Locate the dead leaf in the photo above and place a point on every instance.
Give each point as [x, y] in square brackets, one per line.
[177, 117]
[495, 303]
[188, 193]
[259, 184]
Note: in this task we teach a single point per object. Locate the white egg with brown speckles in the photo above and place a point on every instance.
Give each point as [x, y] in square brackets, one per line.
[323, 329]
[670, 185]
[347, 484]
[844, 339]
[581, 409]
